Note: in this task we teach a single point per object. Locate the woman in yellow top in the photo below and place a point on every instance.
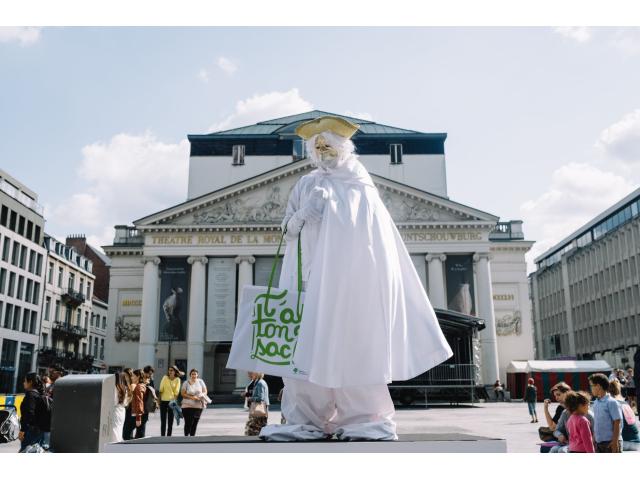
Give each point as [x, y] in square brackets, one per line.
[169, 390]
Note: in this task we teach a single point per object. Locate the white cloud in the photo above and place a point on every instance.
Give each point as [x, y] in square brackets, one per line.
[24, 35]
[361, 115]
[622, 139]
[262, 107]
[127, 178]
[579, 34]
[227, 66]
[578, 192]
[203, 75]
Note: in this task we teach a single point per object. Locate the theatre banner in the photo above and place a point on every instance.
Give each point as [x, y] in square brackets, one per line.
[221, 300]
[460, 287]
[174, 299]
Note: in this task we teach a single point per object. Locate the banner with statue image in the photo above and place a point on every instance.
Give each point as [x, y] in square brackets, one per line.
[174, 299]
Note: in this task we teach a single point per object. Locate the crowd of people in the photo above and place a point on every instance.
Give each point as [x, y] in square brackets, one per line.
[175, 399]
[600, 421]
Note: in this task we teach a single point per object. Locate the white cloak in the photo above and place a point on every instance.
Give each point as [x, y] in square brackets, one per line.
[367, 319]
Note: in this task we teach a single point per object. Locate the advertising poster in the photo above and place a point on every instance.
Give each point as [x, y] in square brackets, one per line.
[174, 299]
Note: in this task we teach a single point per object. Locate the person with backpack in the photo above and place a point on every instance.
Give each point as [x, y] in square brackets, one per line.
[35, 412]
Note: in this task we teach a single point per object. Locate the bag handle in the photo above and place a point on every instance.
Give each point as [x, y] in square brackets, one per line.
[275, 264]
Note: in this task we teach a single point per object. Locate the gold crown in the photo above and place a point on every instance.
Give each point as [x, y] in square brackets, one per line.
[337, 125]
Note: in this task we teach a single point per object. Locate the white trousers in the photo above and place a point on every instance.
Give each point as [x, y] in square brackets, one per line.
[351, 413]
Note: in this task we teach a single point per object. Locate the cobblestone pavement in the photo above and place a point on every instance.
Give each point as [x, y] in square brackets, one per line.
[497, 420]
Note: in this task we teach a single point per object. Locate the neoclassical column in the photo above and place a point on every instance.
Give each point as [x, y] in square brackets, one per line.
[488, 342]
[195, 330]
[149, 317]
[245, 277]
[437, 295]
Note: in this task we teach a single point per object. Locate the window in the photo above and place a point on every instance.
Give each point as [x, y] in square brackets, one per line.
[81, 289]
[20, 287]
[29, 229]
[395, 150]
[39, 265]
[88, 290]
[72, 281]
[8, 315]
[26, 317]
[15, 254]
[86, 320]
[95, 346]
[23, 257]
[28, 294]
[299, 151]
[47, 308]
[238, 155]
[21, 225]
[5, 249]
[12, 284]
[4, 216]
[78, 318]
[45, 337]
[104, 323]
[50, 274]
[16, 318]
[57, 317]
[84, 349]
[32, 261]
[36, 293]
[102, 349]
[12, 220]
[37, 235]
[3, 280]
[60, 276]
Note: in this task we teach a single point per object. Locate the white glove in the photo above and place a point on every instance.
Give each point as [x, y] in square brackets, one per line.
[310, 213]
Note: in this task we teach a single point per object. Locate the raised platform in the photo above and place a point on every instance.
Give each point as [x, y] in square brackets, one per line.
[408, 443]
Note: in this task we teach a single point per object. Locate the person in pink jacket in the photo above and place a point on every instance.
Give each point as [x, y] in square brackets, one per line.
[578, 427]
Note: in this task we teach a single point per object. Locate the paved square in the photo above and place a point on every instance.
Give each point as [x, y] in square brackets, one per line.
[498, 420]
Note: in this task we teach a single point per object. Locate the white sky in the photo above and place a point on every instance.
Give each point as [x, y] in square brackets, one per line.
[543, 124]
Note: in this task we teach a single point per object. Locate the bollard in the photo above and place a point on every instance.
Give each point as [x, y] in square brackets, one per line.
[81, 416]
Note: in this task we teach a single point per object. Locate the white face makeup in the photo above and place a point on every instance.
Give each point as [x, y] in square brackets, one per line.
[327, 155]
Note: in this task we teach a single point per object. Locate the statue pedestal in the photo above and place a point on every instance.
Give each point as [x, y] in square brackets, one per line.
[409, 443]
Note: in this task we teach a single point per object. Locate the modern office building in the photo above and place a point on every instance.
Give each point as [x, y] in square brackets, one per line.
[21, 280]
[585, 291]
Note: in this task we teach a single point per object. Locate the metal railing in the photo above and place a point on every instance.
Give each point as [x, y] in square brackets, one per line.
[73, 296]
[505, 231]
[70, 329]
[446, 374]
[126, 235]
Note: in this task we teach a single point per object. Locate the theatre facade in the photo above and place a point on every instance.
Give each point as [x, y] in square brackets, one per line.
[177, 275]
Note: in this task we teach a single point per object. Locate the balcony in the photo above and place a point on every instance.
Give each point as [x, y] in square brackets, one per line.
[505, 231]
[126, 235]
[73, 297]
[69, 330]
[69, 360]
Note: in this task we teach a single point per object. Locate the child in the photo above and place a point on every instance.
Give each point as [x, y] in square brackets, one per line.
[607, 416]
[530, 396]
[578, 426]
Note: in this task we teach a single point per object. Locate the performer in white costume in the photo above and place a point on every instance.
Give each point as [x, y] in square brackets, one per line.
[367, 320]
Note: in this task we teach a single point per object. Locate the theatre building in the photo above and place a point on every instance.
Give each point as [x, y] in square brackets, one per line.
[176, 275]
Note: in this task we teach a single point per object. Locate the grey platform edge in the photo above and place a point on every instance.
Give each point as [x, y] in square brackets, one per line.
[410, 443]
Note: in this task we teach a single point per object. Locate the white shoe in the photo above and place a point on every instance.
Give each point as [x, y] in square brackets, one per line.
[385, 431]
[291, 433]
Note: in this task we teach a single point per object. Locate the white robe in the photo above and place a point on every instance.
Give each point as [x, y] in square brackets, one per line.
[367, 319]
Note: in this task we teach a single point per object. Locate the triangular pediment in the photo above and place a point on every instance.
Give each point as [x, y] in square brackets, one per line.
[262, 200]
